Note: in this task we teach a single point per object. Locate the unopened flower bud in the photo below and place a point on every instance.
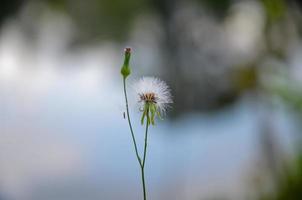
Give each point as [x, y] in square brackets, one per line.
[125, 71]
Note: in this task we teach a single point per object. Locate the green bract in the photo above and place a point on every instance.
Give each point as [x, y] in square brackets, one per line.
[150, 111]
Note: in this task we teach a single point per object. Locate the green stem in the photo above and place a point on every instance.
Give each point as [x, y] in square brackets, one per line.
[146, 139]
[143, 181]
[129, 122]
[145, 155]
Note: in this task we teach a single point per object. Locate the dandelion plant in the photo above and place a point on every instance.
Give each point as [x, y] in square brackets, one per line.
[153, 98]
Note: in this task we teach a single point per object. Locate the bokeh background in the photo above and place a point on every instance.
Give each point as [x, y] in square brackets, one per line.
[235, 69]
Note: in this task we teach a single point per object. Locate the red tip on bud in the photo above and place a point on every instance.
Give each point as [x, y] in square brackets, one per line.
[127, 50]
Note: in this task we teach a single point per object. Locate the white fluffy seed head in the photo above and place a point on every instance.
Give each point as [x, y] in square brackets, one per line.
[154, 90]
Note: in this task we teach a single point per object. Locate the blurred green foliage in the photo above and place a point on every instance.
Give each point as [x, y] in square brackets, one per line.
[289, 184]
[245, 78]
[290, 94]
[8, 8]
[102, 19]
[219, 7]
[275, 9]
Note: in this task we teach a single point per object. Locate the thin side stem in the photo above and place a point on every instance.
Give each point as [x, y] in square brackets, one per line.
[130, 125]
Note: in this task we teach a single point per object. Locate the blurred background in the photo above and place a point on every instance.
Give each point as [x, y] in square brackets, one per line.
[235, 69]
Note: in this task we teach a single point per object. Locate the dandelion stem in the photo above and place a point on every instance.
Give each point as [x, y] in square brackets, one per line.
[130, 125]
[143, 181]
[145, 154]
[146, 140]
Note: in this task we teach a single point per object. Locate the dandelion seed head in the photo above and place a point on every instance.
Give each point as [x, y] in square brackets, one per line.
[155, 91]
